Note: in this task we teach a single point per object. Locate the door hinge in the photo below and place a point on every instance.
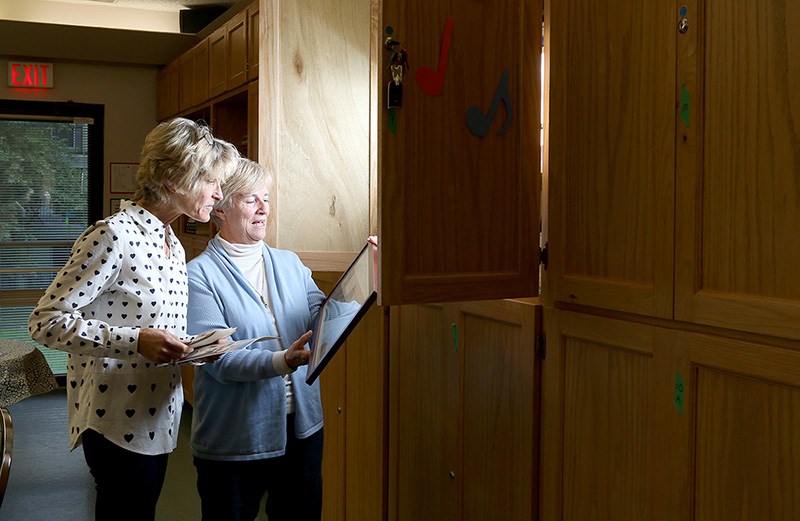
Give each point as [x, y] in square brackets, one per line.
[544, 256]
[541, 346]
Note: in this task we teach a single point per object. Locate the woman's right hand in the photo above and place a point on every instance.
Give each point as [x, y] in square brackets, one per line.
[161, 346]
[297, 354]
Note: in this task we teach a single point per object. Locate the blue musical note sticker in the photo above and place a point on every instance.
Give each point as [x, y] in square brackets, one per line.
[479, 123]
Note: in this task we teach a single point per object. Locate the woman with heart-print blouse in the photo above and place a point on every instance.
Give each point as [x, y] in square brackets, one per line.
[118, 308]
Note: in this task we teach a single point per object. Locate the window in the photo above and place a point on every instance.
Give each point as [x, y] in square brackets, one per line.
[51, 185]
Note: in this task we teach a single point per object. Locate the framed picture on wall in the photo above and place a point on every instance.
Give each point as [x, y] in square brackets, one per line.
[122, 177]
[113, 205]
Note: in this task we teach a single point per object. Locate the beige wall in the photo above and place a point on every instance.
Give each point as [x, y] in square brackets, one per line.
[128, 93]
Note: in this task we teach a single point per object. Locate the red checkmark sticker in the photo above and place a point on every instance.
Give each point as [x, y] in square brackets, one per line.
[431, 81]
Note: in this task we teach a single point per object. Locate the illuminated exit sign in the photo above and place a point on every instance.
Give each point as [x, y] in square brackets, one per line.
[30, 75]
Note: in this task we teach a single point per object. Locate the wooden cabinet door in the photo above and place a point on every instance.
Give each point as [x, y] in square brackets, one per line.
[253, 35]
[425, 415]
[614, 422]
[464, 411]
[217, 56]
[168, 90]
[162, 94]
[236, 51]
[611, 161]
[738, 191]
[500, 409]
[745, 401]
[187, 65]
[353, 387]
[458, 164]
[200, 78]
[252, 121]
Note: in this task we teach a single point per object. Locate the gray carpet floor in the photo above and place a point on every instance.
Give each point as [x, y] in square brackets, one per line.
[48, 482]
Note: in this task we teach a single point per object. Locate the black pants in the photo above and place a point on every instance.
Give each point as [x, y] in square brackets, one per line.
[128, 484]
[232, 490]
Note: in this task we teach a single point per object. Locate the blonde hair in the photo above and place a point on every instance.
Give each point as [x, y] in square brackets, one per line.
[181, 154]
[248, 177]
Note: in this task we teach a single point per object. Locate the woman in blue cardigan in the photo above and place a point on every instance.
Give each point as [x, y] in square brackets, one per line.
[257, 426]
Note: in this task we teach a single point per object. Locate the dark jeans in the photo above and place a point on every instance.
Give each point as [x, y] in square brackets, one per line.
[232, 490]
[128, 484]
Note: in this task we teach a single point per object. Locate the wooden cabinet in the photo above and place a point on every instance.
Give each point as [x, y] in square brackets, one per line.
[453, 200]
[614, 443]
[217, 54]
[168, 90]
[253, 36]
[671, 193]
[736, 177]
[228, 55]
[646, 422]
[611, 155]
[673, 324]
[237, 44]
[464, 408]
[354, 406]
[219, 64]
[194, 76]
[450, 184]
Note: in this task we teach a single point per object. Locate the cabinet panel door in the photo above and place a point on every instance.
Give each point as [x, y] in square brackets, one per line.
[611, 154]
[614, 439]
[200, 79]
[425, 429]
[458, 163]
[747, 403]
[236, 57]
[501, 410]
[253, 36]
[464, 405]
[187, 66]
[217, 43]
[739, 189]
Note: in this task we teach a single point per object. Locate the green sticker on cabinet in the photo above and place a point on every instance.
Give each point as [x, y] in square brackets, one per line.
[679, 388]
[686, 105]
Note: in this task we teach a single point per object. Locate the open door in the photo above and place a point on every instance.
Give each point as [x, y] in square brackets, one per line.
[458, 158]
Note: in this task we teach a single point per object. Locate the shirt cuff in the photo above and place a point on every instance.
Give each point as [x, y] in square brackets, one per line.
[280, 365]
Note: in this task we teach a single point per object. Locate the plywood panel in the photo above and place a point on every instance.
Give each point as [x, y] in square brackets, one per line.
[611, 153]
[314, 121]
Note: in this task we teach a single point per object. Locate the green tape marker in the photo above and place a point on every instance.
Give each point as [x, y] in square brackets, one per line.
[392, 121]
[679, 389]
[455, 337]
[686, 105]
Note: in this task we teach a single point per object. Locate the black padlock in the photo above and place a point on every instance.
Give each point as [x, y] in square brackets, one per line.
[394, 95]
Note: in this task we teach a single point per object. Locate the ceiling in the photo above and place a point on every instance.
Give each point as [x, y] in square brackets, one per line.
[159, 5]
[146, 32]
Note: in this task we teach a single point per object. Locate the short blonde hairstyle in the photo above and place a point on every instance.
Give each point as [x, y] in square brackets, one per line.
[248, 177]
[181, 154]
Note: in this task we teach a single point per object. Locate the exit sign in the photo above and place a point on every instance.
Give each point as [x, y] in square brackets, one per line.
[30, 75]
